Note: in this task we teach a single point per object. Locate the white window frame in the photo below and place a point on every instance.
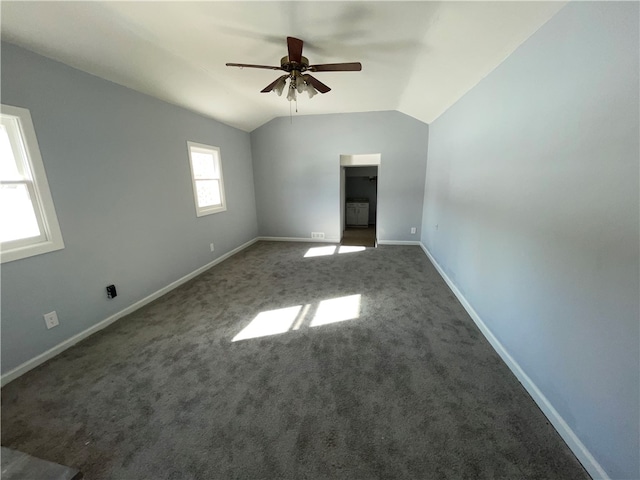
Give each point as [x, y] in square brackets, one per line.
[24, 144]
[215, 151]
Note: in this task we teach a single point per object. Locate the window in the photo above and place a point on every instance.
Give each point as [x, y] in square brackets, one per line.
[206, 173]
[28, 222]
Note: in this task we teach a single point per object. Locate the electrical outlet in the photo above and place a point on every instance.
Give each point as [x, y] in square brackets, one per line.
[111, 291]
[51, 319]
[317, 234]
[211, 246]
[413, 230]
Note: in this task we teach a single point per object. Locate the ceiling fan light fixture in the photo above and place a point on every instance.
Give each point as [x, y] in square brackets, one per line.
[292, 92]
[311, 91]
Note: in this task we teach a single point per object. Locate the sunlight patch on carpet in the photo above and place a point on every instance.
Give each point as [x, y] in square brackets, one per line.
[350, 249]
[337, 310]
[320, 251]
[270, 322]
[282, 320]
[332, 249]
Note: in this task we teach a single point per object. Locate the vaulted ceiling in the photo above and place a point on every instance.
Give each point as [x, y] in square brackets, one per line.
[418, 57]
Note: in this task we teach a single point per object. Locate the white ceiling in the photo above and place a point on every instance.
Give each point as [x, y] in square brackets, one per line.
[418, 57]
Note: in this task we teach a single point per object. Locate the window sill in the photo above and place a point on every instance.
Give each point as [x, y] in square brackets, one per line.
[210, 211]
[26, 251]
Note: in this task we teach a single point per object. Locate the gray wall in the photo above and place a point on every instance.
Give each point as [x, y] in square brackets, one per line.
[532, 180]
[297, 171]
[117, 166]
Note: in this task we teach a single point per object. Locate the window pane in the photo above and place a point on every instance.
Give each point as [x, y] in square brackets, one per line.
[8, 167]
[17, 217]
[208, 193]
[203, 165]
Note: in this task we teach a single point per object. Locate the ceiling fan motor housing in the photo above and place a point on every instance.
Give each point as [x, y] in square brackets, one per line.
[288, 66]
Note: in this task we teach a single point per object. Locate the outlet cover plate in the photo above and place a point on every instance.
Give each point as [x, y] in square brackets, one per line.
[51, 319]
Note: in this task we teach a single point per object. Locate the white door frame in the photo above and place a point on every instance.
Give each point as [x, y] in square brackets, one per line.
[358, 160]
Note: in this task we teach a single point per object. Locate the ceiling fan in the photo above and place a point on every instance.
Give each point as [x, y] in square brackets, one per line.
[296, 65]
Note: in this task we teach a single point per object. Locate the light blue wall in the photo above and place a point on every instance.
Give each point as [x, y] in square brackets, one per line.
[117, 166]
[297, 171]
[532, 180]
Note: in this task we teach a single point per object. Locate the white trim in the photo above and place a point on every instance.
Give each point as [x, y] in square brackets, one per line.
[42, 203]
[61, 347]
[577, 447]
[217, 159]
[335, 240]
[398, 242]
[299, 239]
[360, 160]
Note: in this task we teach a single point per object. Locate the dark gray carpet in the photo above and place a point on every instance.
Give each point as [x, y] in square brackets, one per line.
[409, 389]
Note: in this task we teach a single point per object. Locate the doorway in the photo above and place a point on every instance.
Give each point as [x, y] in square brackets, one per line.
[360, 207]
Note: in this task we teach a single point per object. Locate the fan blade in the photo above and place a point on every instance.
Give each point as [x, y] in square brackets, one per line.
[295, 49]
[269, 87]
[317, 84]
[241, 65]
[336, 67]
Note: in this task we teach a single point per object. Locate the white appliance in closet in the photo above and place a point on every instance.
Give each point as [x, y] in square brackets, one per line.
[358, 213]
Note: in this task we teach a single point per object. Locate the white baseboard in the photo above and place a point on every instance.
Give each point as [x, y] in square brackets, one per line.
[334, 240]
[577, 447]
[61, 347]
[398, 242]
[299, 239]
